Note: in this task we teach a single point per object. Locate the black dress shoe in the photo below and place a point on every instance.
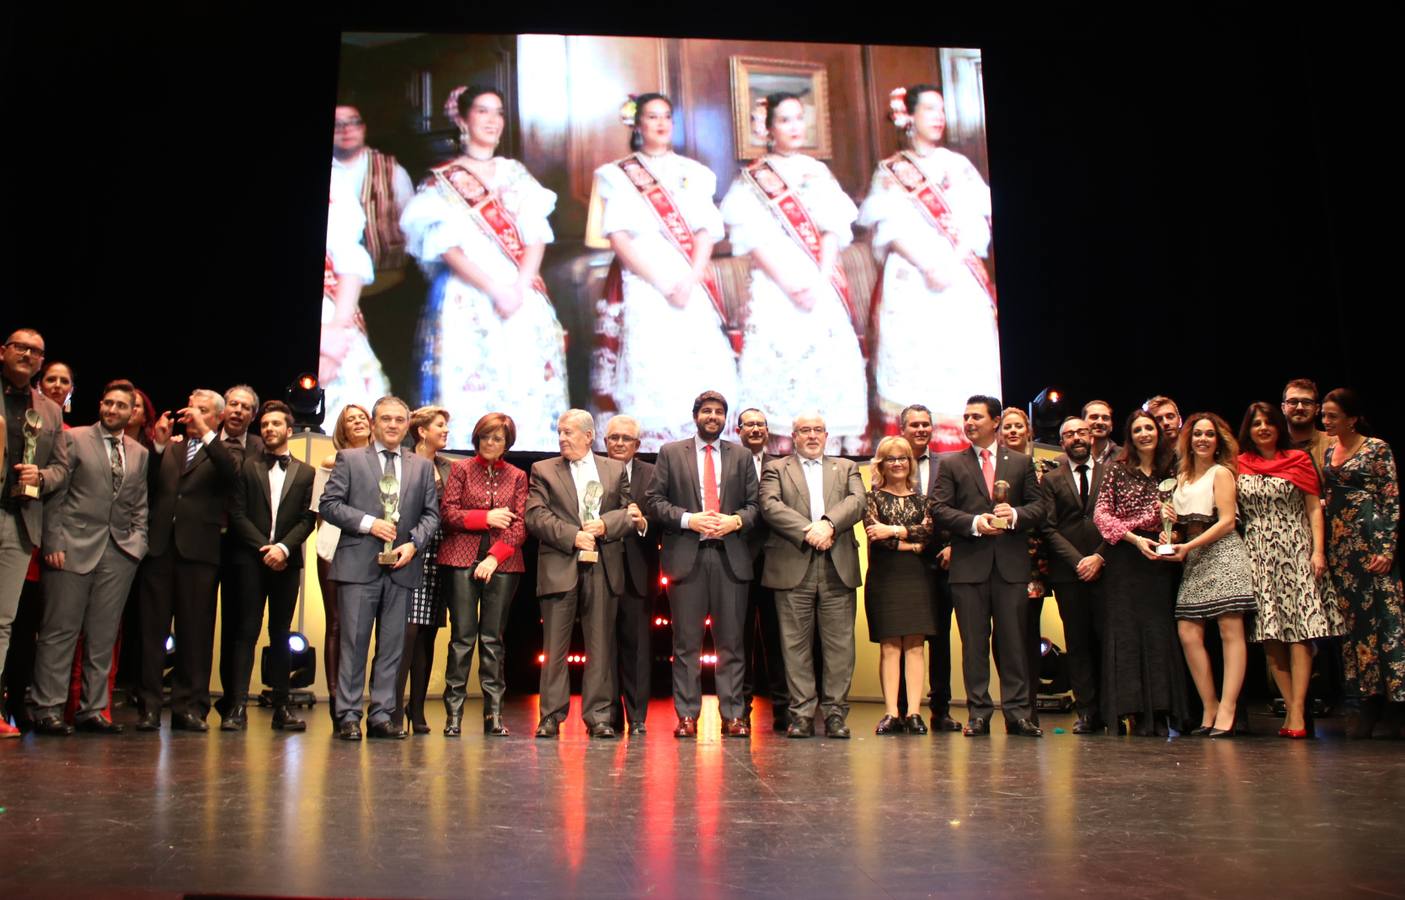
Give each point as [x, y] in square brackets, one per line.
[548, 727]
[1202, 731]
[602, 731]
[637, 728]
[234, 721]
[53, 725]
[914, 724]
[187, 722]
[453, 726]
[834, 727]
[386, 730]
[149, 722]
[350, 730]
[98, 725]
[687, 727]
[800, 728]
[419, 727]
[1222, 732]
[493, 724]
[1087, 725]
[945, 722]
[1023, 728]
[977, 727]
[286, 721]
[890, 725]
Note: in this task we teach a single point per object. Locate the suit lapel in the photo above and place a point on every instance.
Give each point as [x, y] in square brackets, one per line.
[567, 485]
[288, 476]
[830, 468]
[690, 455]
[723, 481]
[1094, 487]
[973, 460]
[795, 469]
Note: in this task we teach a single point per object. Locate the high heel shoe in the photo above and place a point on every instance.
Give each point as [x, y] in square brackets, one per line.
[1202, 731]
[1295, 733]
[1222, 732]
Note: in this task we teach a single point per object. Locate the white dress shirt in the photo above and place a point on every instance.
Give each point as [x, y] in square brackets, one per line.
[814, 483]
[276, 476]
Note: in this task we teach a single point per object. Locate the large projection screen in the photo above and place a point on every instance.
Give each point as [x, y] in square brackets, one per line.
[512, 254]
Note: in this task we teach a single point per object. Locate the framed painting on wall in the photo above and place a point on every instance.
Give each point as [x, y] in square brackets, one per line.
[753, 78]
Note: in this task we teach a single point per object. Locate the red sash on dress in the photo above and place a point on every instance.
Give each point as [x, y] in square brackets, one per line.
[796, 221]
[485, 208]
[933, 206]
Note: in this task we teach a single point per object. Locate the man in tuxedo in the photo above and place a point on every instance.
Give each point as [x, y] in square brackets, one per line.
[916, 421]
[641, 567]
[761, 631]
[381, 495]
[94, 536]
[578, 508]
[25, 485]
[811, 503]
[188, 484]
[1076, 563]
[1098, 416]
[990, 564]
[704, 498]
[270, 517]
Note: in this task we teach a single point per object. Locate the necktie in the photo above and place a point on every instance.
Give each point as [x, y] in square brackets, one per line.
[988, 470]
[389, 462]
[192, 446]
[1082, 471]
[279, 461]
[710, 501]
[236, 448]
[115, 452]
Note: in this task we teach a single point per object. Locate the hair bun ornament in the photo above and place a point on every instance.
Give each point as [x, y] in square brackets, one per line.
[451, 103]
[897, 108]
[629, 109]
[758, 117]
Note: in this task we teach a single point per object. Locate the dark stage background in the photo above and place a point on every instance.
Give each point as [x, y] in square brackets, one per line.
[1180, 209]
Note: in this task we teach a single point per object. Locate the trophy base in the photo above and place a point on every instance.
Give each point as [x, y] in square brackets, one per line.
[1002, 523]
[588, 556]
[388, 558]
[1165, 550]
[25, 492]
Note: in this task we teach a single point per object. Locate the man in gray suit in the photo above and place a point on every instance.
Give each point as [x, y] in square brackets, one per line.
[578, 507]
[22, 513]
[812, 502]
[94, 536]
[369, 593]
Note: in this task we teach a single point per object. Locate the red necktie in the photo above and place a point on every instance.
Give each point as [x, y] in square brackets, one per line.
[988, 470]
[710, 503]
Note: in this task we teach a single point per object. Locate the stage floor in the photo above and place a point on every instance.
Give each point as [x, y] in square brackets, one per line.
[274, 814]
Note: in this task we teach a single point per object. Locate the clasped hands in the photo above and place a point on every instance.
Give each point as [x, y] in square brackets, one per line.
[385, 531]
[714, 525]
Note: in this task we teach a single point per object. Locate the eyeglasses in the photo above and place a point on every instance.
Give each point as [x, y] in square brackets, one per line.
[26, 349]
[1299, 401]
[894, 460]
[810, 429]
[1081, 432]
[621, 439]
[752, 425]
[344, 124]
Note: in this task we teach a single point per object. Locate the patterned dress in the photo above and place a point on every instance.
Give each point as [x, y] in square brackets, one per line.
[1293, 604]
[426, 600]
[897, 596]
[1217, 579]
[1363, 512]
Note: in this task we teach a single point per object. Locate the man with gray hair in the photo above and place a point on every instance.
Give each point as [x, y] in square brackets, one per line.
[641, 567]
[240, 404]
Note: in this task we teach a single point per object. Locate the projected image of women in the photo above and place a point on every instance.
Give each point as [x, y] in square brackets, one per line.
[489, 337]
[934, 329]
[347, 367]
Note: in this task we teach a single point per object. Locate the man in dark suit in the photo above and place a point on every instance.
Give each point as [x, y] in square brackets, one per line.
[241, 402]
[641, 566]
[704, 498]
[812, 502]
[379, 495]
[189, 484]
[990, 564]
[270, 518]
[761, 631]
[1076, 563]
[578, 507]
[94, 536]
[22, 514]
[916, 423]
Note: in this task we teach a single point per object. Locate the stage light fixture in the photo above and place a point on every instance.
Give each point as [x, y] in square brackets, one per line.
[663, 581]
[660, 622]
[302, 672]
[708, 659]
[1053, 687]
[308, 402]
[1046, 413]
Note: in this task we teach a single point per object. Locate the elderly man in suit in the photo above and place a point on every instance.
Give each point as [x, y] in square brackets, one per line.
[636, 608]
[704, 498]
[761, 631]
[94, 536]
[811, 503]
[1076, 562]
[381, 496]
[25, 483]
[578, 507]
[270, 518]
[988, 497]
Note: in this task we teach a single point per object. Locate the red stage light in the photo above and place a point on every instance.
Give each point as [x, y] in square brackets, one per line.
[707, 623]
[660, 622]
[307, 382]
[708, 659]
[663, 581]
[1054, 396]
[541, 659]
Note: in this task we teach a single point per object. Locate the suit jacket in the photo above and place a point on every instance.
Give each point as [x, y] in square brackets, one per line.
[251, 510]
[353, 492]
[785, 505]
[941, 538]
[49, 456]
[641, 554]
[194, 497]
[1068, 531]
[252, 449]
[757, 536]
[553, 517]
[676, 490]
[83, 513]
[961, 496]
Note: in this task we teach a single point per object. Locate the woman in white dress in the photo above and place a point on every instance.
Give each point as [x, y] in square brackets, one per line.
[801, 350]
[347, 369]
[490, 337]
[934, 338]
[673, 340]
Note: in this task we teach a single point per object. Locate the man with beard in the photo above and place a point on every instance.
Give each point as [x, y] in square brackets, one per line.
[1098, 415]
[1076, 563]
[1167, 415]
[1300, 408]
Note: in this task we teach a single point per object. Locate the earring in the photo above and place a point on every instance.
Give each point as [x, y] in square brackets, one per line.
[770, 144]
[463, 142]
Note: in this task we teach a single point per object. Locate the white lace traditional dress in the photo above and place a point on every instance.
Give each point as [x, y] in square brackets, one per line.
[667, 356]
[795, 360]
[359, 378]
[473, 361]
[932, 347]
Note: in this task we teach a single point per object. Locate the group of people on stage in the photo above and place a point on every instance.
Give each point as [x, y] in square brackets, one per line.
[1279, 533]
[489, 337]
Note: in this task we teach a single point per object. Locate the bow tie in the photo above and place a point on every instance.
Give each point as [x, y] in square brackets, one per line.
[280, 461]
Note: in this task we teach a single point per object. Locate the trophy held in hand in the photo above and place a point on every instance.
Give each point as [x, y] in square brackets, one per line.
[390, 511]
[591, 510]
[33, 422]
[1166, 488]
[1000, 493]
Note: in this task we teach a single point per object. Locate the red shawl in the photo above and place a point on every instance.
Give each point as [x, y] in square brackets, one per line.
[1293, 465]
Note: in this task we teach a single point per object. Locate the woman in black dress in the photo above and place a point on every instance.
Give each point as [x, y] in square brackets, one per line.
[897, 595]
[1142, 663]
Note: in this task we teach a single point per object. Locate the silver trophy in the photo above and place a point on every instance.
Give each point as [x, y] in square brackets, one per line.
[1166, 488]
[591, 503]
[390, 511]
[33, 423]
